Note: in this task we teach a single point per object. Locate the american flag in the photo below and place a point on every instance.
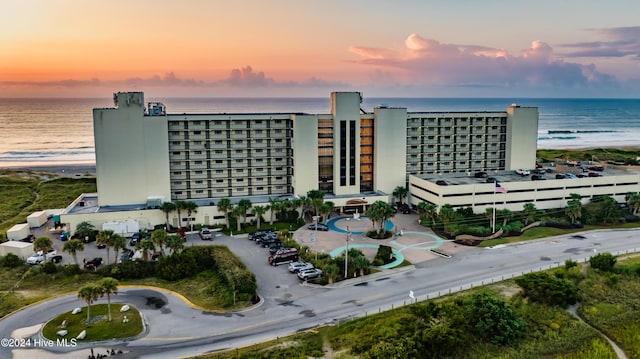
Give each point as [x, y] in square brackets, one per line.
[500, 188]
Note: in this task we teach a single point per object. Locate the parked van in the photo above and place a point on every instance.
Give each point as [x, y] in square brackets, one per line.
[284, 256]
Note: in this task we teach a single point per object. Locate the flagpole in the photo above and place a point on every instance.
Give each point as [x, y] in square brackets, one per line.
[493, 221]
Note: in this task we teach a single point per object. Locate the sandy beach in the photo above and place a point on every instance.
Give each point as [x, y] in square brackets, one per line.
[64, 170]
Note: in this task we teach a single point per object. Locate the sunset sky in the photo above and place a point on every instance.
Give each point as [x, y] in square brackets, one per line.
[464, 48]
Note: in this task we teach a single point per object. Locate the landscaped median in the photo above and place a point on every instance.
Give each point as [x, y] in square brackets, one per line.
[123, 324]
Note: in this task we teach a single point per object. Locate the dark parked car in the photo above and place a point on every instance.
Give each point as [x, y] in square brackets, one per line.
[481, 175]
[442, 183]
[319, 227]
[93, 263]
[560, 176]
[595, 174]
[537, 178]
[596, 168]
[56, 259]
[490, 180]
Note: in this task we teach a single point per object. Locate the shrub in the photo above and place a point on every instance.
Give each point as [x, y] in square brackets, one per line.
[71, 269]
[543, 288]
[385, 254]
[49, 268]
[490, 318]
[603, 261]
[11, 261]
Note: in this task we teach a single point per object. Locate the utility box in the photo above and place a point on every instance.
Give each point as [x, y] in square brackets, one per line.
[18, 232]
[22, 249]
[37, 219]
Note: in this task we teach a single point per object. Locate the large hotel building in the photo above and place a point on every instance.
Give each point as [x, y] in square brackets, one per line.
[145, 156]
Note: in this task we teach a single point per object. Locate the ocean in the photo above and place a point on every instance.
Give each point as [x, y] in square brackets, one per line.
[41, 132]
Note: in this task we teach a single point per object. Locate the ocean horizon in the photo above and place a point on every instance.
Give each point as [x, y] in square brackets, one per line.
[59, 131]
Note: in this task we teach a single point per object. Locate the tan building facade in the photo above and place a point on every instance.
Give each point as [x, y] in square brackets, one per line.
[145, 156]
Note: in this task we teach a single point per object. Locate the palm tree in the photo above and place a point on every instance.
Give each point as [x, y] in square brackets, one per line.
[446, 213]
[43, 244]
[109, 286]
[379, 212]
[105, 237]
[146, 245]
[317, 198]
[245, 204]
[361, 263]
[159, 238]
[428, 211]
[72, 247]
[609, 209]
[305, 204]
[180, 206]
[273, 207]
[325, 209]
[633, 201]
[400, 193]
[84, 229]
[175, 243]
[331, 272]
[89, 293]
[489, 213]
[573, 211]
[238, 213]
[259, 211]
[506, 216]
[167, 207]
[225, 206]
[530, 212]
[118, 242]
[191, 208]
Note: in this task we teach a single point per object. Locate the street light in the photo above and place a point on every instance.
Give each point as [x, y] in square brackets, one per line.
[346, 254]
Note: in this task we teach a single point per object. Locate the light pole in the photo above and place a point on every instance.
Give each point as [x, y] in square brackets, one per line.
[346, 254]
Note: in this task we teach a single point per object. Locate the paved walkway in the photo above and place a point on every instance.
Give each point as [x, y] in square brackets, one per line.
[413, 240]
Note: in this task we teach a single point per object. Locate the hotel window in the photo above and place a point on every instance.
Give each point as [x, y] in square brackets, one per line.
[176, 143]
[217, 132]
[199, 191]
[177, 173]
[198, 181]
[219, 161]
[198, 172]
[238, 161]
[240, 170]
[218, 142]
[218, 152]
[176, 153]
[259, 188]
[197, 132]
[198, 162]
[219, 171]
[220, 190]
[219, 181]
[197, 152]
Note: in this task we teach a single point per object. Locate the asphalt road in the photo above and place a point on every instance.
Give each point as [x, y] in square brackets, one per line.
[176, 330]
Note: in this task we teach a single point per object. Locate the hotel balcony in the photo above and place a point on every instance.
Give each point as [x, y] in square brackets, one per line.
[238, 125]
[176, 136]
[235, 145]
[180, 157]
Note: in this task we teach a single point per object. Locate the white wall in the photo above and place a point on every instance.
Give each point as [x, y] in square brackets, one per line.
[522, 137]
[390, 149]
[305, 154]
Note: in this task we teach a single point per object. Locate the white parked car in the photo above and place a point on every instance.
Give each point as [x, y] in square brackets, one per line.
[310, 274]
[38, 257]
[295, 267]
[523, 172]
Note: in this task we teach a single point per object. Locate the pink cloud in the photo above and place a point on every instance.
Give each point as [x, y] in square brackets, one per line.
[425, 61]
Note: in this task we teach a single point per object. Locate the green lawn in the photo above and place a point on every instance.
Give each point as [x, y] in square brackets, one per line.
[99, 328]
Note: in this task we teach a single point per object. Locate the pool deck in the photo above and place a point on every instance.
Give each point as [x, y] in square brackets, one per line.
[414, 243]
